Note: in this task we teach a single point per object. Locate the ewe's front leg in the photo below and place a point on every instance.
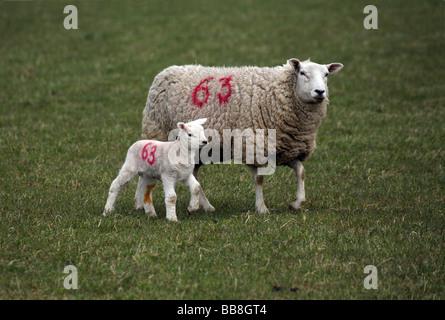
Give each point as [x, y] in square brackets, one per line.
[259, 200]
[300, 197]
[195, 189]
[170, 197]
[203, 201]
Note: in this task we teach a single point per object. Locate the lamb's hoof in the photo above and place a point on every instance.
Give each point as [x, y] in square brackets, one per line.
[262, 209]
[151, 214]
[296, 205]
[208, 208]
[138, 205]
[174, 219]
[191, 210]
[105, 213]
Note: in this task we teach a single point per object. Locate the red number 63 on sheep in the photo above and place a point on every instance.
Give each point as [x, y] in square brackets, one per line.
[202, 86]
[149, 156]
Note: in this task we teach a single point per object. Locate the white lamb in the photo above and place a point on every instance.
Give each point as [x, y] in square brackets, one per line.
[167, 161]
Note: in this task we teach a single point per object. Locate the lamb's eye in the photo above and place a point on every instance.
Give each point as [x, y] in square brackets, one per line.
[326, 74]
[190, 134]
[302, 73]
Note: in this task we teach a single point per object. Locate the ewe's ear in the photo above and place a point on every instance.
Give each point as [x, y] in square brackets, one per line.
[334, 67]
[181, 125]
[295, 63]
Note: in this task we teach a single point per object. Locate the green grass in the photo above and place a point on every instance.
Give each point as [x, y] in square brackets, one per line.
[71, 105]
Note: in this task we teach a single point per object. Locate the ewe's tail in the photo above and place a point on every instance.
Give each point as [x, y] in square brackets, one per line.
[155, 117]
[151, 129]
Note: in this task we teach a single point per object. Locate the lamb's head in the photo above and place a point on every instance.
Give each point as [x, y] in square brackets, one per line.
[193, 133]
[312, 79]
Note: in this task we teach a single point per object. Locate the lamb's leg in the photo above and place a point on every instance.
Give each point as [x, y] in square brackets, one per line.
[124, 177]
[170, 197]
[300, 197]
[195, 189]
[148, 184]
[140, 192]
[259, 200]
[203, 201]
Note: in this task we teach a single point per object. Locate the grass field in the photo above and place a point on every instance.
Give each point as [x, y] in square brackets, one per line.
[71, 104]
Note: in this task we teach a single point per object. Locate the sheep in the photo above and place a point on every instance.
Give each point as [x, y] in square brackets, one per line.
[168, 161]
[291, 99]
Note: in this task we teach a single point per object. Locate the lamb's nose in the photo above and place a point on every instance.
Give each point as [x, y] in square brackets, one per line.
[319, 92]
[204, 142]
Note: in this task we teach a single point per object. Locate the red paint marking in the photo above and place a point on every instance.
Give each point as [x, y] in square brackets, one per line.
[201, 87]
[149, 156]
[225, 83]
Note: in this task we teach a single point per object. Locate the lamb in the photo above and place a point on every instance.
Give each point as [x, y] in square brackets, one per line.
[168, 161]
[291, 99]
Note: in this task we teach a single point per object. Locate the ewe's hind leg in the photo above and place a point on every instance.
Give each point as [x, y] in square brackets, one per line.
[203, 201]
[259, 200]
[300, 197]
[124, 177]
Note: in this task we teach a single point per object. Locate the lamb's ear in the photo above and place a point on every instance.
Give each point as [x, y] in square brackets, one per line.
[334, 67]
[201, 121]
[181, 125]
[295, 63]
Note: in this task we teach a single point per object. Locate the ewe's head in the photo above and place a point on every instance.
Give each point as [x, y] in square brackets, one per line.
[193, 133]
[312, 79]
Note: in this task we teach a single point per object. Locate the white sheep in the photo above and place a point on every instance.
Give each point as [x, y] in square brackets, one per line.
[292, 99]
[167, 161]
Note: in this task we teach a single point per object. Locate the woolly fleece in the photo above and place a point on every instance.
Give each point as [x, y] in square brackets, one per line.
[258, 98]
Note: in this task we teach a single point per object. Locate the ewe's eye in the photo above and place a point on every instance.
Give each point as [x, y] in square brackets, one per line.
[190, 134]
[326, 74]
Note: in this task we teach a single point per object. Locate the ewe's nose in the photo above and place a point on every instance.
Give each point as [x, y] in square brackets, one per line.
[319, 92]
[204, 142]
